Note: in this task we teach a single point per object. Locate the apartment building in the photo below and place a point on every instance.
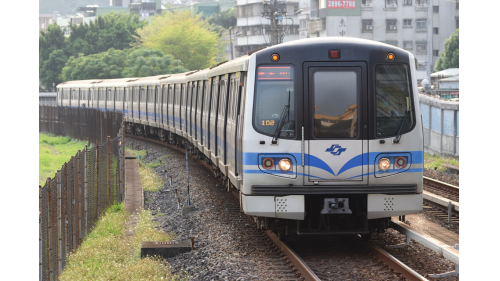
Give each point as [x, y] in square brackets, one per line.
[251, 25]
[403, 23]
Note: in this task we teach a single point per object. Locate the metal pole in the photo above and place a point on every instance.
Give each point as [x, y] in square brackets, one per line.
[59, 226]
[40, 231]
[49, 228]
[187, 173]
[109, 171]
[429, 40]
[85, 185]
[97, 182]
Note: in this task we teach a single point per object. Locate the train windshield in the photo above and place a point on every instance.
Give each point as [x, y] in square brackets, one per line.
[274, 101]
[393, 100]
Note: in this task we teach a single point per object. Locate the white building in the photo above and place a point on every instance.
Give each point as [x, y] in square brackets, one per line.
[407, 24]
[251, 25]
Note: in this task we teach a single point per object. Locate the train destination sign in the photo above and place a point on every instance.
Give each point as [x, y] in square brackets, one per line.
[274, 73]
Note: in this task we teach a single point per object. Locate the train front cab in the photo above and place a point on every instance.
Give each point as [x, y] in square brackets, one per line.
[349, 151]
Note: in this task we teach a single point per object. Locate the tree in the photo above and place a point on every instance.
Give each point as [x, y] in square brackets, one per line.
[113, 30]
[105, 65]
[150, 62]
[224, 19]
[183, 34]
[449, 58]
[52, 67]
[48, 42]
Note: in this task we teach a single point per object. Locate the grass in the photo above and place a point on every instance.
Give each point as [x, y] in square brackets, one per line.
[53, 152]
[434, 162]
[150, 180]
[106, 253]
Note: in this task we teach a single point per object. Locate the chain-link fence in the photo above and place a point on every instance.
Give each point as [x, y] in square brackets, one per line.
[71, 202]
[85, 124]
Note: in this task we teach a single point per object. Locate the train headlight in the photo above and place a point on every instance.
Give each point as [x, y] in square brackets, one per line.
[384, 164]
[285, 165]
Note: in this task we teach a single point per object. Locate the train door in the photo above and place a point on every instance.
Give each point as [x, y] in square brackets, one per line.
[221, 119]
[199, 112]
[205, 119]
[335, 133]
[213, 116]
[189, 96]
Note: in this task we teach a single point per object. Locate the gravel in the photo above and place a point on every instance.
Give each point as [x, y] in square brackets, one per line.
[227, 244]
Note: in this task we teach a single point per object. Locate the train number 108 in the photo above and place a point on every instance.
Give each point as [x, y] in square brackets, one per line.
[267, 122]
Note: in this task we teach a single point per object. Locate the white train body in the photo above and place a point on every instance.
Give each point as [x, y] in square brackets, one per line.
[350, 133]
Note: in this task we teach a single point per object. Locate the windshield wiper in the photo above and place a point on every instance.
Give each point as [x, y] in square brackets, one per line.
[280, 124]
[398, 136]
[284, 113]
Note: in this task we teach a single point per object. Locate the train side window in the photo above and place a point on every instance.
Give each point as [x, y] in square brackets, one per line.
[393, 99]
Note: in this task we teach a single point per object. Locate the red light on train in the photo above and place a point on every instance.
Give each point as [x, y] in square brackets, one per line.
[334, 54]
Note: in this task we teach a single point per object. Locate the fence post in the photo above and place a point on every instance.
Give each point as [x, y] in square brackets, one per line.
[79, 181]
[97, 181]
[85, 185]
[40, 231]
[59, 225]
[109, 172]
[74, 217]
[49, 229]
[122, 156]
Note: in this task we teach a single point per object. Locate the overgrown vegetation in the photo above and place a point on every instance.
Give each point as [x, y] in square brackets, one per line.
[150, 180]
[106, 253]
[53, 152]
[434, 162]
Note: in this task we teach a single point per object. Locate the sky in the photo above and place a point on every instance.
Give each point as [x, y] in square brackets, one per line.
[479, 102]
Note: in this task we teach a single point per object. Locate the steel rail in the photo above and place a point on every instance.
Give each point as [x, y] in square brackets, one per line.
[394, 263]
[447, 186]
[297, 263]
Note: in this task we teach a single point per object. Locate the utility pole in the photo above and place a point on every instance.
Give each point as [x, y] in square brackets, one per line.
[429, 40]
[275, 11]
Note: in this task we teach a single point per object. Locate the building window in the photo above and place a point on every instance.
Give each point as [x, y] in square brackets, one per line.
[303, 24]
[366, 3]
[406, 2]
[421, 3]
[391, 25]
[422, 65]
[408, 45]
[367, 25]
[456, 22]
[407, 23]
[435, 9]
[421, 24]
[435, 53]
[435, 30]
[391, 3]
[422, 48]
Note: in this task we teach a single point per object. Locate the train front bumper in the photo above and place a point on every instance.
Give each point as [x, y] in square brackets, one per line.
[293, 206]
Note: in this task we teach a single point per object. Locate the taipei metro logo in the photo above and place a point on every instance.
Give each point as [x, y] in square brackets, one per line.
[335, 149]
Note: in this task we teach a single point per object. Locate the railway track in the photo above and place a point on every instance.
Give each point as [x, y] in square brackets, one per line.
[442, 189]
[368, 260]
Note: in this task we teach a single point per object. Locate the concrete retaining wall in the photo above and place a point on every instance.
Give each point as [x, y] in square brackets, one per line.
[440, 119]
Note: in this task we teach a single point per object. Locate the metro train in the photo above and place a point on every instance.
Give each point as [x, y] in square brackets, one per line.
[317, 136]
